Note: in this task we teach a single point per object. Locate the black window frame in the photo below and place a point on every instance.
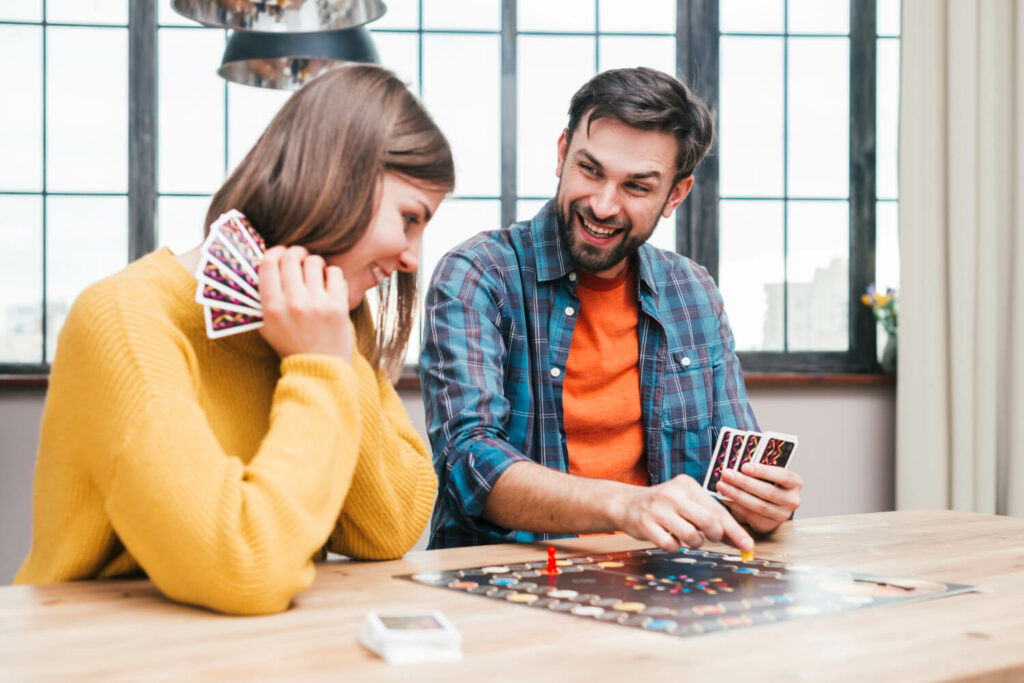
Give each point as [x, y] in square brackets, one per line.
[697, 35]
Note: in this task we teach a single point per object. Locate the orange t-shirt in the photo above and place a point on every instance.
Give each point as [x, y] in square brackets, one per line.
[601, 390]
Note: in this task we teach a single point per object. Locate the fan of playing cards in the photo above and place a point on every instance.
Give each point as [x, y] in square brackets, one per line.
[737, 447]
[228, 276]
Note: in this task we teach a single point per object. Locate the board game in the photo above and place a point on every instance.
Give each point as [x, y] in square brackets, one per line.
[685, 593]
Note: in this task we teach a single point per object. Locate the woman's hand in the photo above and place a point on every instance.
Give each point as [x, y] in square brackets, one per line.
[305, 304]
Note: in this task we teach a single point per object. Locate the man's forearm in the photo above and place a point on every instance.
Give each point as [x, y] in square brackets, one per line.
[532, 497]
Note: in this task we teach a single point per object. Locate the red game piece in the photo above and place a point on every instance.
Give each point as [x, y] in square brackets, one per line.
[552, 567]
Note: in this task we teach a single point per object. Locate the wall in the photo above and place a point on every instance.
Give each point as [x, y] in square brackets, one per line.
[846, 453]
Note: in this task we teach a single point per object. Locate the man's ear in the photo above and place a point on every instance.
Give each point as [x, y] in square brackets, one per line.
[563, 149]
[677, 195]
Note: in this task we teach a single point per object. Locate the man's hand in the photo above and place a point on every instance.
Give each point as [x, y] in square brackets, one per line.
[676, 513]
[763, 496]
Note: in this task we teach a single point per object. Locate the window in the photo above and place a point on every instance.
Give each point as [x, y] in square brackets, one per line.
[784, 212]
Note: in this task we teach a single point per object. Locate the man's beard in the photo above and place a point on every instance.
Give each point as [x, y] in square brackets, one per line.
[590, 257]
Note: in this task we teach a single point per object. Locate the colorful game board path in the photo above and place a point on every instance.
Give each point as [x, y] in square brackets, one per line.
[126, 630]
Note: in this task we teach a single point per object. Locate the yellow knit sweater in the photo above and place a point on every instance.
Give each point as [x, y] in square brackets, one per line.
[213, 465]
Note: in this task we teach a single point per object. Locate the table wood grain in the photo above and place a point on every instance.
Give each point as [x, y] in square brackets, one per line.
[124, 629]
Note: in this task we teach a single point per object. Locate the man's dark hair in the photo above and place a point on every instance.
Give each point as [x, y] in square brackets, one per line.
[649, 100]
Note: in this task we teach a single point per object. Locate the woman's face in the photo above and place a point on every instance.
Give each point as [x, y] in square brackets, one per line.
[392, 242]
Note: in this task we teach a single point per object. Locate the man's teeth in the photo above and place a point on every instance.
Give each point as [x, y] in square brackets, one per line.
[600, 232]
[379, 274]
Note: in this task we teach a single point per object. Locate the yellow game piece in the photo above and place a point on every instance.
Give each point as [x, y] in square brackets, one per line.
[747, 555]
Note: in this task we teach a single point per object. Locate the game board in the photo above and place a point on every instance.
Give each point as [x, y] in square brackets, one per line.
[686, 593]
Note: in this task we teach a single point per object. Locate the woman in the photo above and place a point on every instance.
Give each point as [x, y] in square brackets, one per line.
[220, 467]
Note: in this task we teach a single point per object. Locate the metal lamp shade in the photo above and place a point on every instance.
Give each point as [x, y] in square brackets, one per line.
[281, 16]
[284, 61]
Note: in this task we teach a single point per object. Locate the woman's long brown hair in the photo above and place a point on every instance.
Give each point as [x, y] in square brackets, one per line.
[312, 179]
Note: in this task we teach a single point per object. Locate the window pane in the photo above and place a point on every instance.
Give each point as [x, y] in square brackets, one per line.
[664, 236]
[887, 255]
[87, 110]
[88, 11]
[564, 15]
[887, 246]
[751, 272]
[401, 14]
[617, 52]
[819, 16]
[479, 15]
[819, 117]
[400, 52]
[249, 111]
[191, 150]
[456, 221]
[817, 269]
[545, 87]
[528, 208]
[750, 16]
[21, 120]
[166, 16]
[473, 131]
[658, 16]
[86, 240]
[888, 17]
[887, 121]
[19, 10]
[21, 282]
[179, 222]
[750, 138]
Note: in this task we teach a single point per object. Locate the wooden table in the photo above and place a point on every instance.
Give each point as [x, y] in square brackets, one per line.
[126, 630]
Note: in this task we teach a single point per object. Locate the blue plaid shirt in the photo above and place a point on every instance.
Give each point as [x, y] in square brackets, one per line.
[495, 346]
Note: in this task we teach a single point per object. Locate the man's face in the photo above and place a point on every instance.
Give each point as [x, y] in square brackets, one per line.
[614, 184]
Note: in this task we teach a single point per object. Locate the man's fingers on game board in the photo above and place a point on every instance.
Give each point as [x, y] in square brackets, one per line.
[733, 533]
[703, 517]
[652, 531]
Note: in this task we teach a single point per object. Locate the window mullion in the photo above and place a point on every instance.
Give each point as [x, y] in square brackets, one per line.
[697, 66]
[509, 80]
[142, 127]
[863, 77]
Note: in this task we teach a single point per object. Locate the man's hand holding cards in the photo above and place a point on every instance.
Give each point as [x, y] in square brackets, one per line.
[748, 472]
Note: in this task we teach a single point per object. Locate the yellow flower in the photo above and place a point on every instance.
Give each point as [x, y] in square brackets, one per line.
[866, 299]
[883, 299]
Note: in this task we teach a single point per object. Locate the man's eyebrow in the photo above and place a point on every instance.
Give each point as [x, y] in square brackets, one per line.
[654, 174]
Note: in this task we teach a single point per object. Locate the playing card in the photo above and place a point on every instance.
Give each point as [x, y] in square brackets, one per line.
[718, 459]
[221, 323]
[217, 247]
[749, 448]
[212, 269]
[776, 449]
[246, 242]
[215, 295]
[739, 438]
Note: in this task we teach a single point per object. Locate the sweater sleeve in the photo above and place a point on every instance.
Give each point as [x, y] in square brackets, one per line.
[394, 485]
[207, 528]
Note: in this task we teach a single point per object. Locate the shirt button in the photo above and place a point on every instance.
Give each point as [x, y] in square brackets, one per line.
[569, 310]
[684, 361]
[572, 276]
[555, 372]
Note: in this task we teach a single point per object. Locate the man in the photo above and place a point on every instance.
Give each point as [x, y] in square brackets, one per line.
[574, 376]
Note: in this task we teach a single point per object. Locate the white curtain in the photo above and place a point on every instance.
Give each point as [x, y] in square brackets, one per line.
[960, 390]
